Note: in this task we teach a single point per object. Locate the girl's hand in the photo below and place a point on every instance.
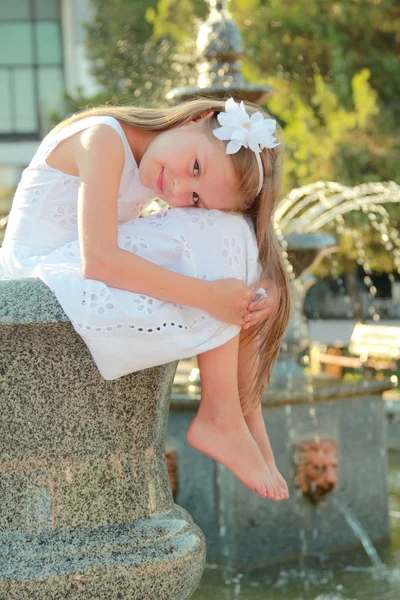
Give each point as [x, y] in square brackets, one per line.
[264, 308]
[229, 300]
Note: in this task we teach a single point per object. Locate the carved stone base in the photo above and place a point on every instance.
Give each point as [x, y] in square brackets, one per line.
[86, 504]
[129, 561]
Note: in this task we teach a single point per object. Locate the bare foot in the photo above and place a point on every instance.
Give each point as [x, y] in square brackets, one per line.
[260, 436]
[233, 446]
[275, 474]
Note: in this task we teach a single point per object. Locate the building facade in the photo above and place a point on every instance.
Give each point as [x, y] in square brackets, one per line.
[42, 56]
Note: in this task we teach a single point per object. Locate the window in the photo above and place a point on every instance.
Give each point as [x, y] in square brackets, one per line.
[31, 66]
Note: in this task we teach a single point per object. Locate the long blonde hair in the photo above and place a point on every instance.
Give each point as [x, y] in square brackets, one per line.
[260, 208]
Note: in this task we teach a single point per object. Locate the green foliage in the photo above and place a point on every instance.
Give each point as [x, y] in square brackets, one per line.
[326, 141]
[336, 39]
[173, 19]
[129, 56]
[362, 243]
[333, 66]
[335, 71]
[309, 50]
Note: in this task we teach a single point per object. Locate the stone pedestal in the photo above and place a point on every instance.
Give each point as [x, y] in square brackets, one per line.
[86, 506]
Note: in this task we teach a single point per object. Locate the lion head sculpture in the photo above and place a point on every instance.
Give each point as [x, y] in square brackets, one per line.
[316, 468]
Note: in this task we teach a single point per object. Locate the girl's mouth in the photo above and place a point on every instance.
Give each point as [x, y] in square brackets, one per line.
[160, 180]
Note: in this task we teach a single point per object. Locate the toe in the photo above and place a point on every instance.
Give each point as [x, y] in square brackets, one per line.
[278, 490]
[283, 485]
[270, 491]
[262, 490]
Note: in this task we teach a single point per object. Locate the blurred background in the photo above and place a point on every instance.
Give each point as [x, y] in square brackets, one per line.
[329, 73]
[333, 68]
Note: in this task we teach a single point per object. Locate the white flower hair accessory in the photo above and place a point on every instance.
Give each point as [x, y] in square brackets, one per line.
[253, 132]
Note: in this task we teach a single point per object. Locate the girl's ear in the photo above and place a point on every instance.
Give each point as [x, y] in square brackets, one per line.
[203, 115]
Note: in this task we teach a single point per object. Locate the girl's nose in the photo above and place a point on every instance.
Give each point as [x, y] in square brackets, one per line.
[179, 186]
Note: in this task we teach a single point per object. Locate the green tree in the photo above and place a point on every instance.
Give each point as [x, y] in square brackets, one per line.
[332, 65]
[334, 69]
[326, 141]
[130, 57]
[300, 39]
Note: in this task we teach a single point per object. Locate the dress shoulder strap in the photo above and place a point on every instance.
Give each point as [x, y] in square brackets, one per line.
[53, 139]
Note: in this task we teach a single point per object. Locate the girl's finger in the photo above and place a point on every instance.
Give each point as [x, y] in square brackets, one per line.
[259, 305]
[253, 319]
[246, 317]
[257, 316]
[264, 310]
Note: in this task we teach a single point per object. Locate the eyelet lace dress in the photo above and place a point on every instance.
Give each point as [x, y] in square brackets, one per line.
[124, 331]
[44, 212]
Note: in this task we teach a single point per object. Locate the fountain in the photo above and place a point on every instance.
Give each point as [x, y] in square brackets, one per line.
[220, 48]
[298, 220]
[313, 423]
[306, 251]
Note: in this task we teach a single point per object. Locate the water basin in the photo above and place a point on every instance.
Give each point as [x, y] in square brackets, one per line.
[342, 576]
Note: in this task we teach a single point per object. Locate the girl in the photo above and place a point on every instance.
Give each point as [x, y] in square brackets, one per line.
[104, 166]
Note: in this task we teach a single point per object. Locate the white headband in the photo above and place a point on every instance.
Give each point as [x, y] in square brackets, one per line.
[253, 132]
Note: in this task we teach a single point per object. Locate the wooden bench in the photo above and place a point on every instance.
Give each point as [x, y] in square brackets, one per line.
[372, 346]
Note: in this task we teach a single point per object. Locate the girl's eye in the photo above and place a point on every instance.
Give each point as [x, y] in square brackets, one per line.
[196, 167]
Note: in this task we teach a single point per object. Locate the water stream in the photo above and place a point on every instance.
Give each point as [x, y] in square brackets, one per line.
[359, 531]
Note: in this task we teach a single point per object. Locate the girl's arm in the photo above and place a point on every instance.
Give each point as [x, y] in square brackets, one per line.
[100, 157]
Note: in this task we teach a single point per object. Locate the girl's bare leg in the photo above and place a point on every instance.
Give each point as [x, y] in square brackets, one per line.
[247, 369]
[219, 429]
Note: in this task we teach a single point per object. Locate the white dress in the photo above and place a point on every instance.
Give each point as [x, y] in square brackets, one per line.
[125, 331]
[44, 212]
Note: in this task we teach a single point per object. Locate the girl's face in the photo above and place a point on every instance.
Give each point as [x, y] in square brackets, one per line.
[185, 167]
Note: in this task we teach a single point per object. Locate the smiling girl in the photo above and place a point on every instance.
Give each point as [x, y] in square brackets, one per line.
[186, 276]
